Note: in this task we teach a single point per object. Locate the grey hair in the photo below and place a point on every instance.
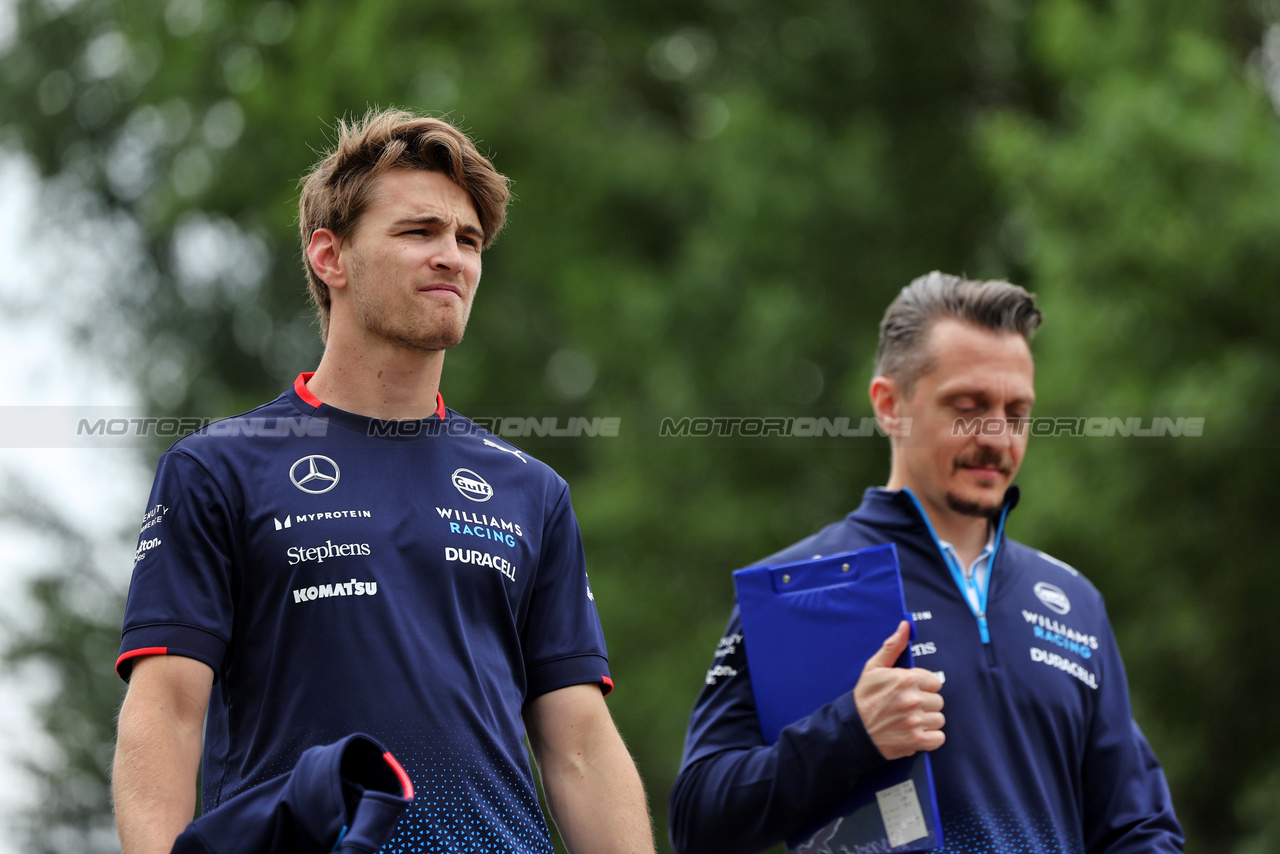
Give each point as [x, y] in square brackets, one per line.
[993, 305]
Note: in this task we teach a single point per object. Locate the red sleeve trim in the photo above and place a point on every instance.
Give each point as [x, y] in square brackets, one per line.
[606, 684]
[406, 785]
[135, 653]
[300, 386]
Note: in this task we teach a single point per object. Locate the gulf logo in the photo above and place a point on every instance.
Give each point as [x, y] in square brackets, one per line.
[472, 485]
[1053, 597]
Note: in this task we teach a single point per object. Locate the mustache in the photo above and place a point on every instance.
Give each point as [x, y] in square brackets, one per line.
[984, 458]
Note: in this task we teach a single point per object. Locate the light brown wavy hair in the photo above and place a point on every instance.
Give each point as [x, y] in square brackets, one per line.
[339, 188]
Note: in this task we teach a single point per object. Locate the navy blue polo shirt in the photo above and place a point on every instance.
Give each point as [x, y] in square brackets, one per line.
[419, 581]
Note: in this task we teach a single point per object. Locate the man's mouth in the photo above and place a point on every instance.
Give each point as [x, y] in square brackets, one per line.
[441, 288]
[985, 466]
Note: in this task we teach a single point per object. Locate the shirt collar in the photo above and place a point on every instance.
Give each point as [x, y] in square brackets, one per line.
[986, 550]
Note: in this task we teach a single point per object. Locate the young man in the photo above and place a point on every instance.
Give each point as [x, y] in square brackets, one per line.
[353, 556]
[1037, 751]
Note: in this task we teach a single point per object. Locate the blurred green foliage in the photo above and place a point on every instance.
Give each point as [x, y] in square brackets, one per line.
[714, 202]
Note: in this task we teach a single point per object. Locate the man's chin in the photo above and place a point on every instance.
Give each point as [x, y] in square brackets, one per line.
[424, 333]
[428, 339]
[987, 506]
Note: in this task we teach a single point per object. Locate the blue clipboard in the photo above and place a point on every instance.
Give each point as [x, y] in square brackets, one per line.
[810, 627]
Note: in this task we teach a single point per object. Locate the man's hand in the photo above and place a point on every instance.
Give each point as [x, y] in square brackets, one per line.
[901, 708]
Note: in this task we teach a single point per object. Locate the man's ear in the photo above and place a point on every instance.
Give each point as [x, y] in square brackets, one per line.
[887, 401]
[324, 252]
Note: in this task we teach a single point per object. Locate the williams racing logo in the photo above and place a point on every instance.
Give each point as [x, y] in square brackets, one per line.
[481, 525]
[1046, 629]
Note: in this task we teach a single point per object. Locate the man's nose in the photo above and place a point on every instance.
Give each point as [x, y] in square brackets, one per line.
[997, 432]
[447, 255]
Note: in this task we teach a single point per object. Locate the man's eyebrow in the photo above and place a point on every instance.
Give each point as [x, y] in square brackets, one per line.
[981, 396]
[963, 392]
[432, 219]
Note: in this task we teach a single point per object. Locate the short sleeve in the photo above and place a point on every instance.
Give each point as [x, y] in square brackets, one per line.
[180, 597]
[562, 639]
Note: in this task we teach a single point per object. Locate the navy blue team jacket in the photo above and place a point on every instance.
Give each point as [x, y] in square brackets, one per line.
[344, 797]
[1042, 754]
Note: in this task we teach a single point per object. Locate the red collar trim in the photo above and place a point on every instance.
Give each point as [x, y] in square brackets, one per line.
[300, 386]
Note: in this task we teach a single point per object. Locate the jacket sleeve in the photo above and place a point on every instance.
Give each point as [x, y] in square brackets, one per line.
[1127, 807]
[340, 797]
[737, 795]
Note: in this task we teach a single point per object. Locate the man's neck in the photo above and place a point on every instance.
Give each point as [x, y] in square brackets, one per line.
[385, 382]
[967, 534]
[968, 539]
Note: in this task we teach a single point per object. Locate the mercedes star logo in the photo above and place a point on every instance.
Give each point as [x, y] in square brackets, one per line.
[315, 474]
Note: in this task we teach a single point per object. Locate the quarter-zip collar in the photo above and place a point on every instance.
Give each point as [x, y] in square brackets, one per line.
[902, 510]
